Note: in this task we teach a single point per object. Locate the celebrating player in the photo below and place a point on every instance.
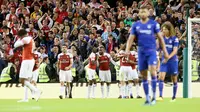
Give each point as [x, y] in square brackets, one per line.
[124, 72]
[133, 77]
[37, 57]
[145, 30]
[104, 69]
[92, 72]
[28, 61]
[170, 65]
[65, 61]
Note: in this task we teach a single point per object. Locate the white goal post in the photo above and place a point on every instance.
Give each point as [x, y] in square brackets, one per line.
[187, 88]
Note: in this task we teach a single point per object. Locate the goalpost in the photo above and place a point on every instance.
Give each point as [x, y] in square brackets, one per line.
[187, 60]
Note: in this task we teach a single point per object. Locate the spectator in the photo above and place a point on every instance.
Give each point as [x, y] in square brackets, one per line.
[11, 14]
[94, 4]
[111, 44]
[107, 33]
[36, 12]
[82, 46]
[82, 26]
[91, 43]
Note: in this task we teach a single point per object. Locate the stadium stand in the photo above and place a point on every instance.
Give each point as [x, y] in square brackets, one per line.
[83, 24]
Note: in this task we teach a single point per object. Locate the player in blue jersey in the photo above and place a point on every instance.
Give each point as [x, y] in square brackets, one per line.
[169, 66]
[145, 30]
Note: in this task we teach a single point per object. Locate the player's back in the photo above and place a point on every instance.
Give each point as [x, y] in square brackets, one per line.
[36, 56]
[123, 60]
[29, 45]
[133, 57]
[145, 34]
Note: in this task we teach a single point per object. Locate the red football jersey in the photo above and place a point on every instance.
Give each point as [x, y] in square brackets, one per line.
[64, 60]
[133, 57]
[29, 45]
[92, 57]
[123, 60]
[104, 61]
[36, 56]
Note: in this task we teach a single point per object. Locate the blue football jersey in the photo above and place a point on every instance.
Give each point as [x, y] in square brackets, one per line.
[170, 44]
[145, 34]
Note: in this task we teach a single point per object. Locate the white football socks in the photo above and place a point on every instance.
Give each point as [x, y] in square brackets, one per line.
[30, 86]
[137, 89]
[89, 90]
[93, 90]
[25, 93]
[102, 91]
[130, 86]
[108, 91]
[62, 90]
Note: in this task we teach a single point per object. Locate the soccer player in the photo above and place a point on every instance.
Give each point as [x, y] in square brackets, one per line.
[149, 74]
[34, 78]
[104, 69]
[133, 77]
[145, 30]
[124, 72]
[65, 61]
[170, 65]
[28, 62]
[92, 72]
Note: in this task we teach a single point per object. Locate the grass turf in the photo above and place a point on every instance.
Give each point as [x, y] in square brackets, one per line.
[99, 105]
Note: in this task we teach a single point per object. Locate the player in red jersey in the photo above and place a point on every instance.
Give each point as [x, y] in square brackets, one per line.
[133, 77]
[104, 69]
[124, 72]
[27, 61]
[34, 78]
[65, 61]
[92, 72]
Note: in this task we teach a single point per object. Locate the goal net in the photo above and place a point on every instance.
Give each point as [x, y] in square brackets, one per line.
[191, 67]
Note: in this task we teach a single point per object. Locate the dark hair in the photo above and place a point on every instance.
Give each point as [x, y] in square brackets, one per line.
[55, 46]
[45, 58]
[102, 47]
[94, 27]
[22, 32]
[64, 45]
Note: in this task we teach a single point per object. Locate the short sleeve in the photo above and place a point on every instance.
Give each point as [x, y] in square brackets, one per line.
[157, 28]
[92, 56]
[133, 29]
[176, 42]
[108, 55]
[26, 40]
[59, 56]
[71, 56]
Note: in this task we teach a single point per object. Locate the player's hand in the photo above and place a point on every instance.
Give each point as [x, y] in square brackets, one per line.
[158, 69]
[67, 68]
[165, 60]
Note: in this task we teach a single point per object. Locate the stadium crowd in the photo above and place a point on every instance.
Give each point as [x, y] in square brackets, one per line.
[82, 25]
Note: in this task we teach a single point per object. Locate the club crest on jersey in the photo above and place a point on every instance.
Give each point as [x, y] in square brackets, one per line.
[170, 41]
[137, 28]
[149, 26]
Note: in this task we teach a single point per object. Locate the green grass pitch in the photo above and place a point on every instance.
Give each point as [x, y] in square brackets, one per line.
[99, 105]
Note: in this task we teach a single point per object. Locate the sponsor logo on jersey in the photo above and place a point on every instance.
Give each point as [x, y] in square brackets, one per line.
[149, 26]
